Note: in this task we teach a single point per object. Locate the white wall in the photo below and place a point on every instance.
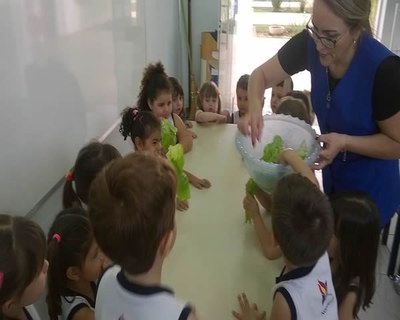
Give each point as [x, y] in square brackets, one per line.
[67, 70]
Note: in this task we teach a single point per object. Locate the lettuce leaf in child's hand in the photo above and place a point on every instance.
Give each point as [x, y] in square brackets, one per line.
[251, 188]
[175, 156]
[273, 150]
[168, 134]
[302, 151]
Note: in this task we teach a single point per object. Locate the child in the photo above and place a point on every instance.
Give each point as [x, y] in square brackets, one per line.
[295, 108]
[75, 265]
[241, 97]
[304, 96]
[23, 267]
[209, 105]
[302, 224]
[353, 251]
[144, 128]
[279, 91]
[156, 95]
[90, 160]
[177, 103]
[132, 211]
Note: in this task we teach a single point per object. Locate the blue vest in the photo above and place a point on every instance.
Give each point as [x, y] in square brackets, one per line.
[349, 111]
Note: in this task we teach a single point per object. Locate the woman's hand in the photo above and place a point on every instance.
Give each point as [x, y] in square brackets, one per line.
[333, 143]
[255, 121]
[248, 312]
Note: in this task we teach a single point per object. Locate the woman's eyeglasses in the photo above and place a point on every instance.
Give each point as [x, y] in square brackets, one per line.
[327, 42]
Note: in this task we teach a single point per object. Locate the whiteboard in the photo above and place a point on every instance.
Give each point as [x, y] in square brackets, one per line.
[67, 69]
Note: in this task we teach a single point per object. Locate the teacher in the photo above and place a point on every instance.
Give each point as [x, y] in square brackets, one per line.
[355, 92]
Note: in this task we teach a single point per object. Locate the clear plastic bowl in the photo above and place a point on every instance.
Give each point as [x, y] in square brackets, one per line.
[293, 131]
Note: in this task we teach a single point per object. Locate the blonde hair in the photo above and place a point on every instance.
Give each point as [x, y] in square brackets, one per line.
[207, 90]
[355, 13]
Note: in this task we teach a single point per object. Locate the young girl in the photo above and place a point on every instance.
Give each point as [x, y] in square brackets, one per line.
[23, 267]
[177, 101]
[75, 264]
[177, 104]
[209, 105]
[144, 128]
[90, 160]
[241, 97]
[156, 95]
[353, 251]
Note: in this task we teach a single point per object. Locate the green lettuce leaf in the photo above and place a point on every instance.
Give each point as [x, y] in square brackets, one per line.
[168, 134]
[175, 156]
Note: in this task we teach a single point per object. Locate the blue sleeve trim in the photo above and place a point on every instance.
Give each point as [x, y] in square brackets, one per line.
[289, 300]
[186, 311]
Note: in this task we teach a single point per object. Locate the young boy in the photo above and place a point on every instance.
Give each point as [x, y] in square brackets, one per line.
[241, 98]
[279, 91]
[132, 211]
[302, 223]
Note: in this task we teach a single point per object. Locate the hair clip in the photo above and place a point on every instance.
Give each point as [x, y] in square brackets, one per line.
[136, 114]
[57, 237]
[1, 279]
[69, 176]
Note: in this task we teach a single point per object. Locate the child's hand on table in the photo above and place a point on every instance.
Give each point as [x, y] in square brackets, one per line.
[200, 183]
[221, 118]
[182, 205]
[248, 312]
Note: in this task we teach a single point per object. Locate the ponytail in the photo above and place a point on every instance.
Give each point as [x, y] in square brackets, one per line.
[68, 242]
[70, 198]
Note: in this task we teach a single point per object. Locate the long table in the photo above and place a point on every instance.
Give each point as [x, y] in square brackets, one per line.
[216, 255]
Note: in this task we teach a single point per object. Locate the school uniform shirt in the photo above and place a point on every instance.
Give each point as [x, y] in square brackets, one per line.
[120, 299]
[31, 313]
[74, 302]
[309, 291]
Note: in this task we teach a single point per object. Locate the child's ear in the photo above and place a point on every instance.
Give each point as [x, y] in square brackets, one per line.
[73, 273]
[9, 306]
[138, 144]
[149, 104]
[167, 243]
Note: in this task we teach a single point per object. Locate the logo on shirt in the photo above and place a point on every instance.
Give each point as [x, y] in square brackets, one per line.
[323, 289]
[327, 298]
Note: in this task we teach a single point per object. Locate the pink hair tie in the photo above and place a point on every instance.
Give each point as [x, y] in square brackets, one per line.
[1, 279]
[57, 237]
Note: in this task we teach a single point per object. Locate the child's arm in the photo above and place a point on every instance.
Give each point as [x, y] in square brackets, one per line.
[264, 198]
[197, 182]
[84, 314]
[290, 157]
[204, 117]
[280, 308]
[264, 234]
[184, 136]
[227, 115]
[347, 306]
